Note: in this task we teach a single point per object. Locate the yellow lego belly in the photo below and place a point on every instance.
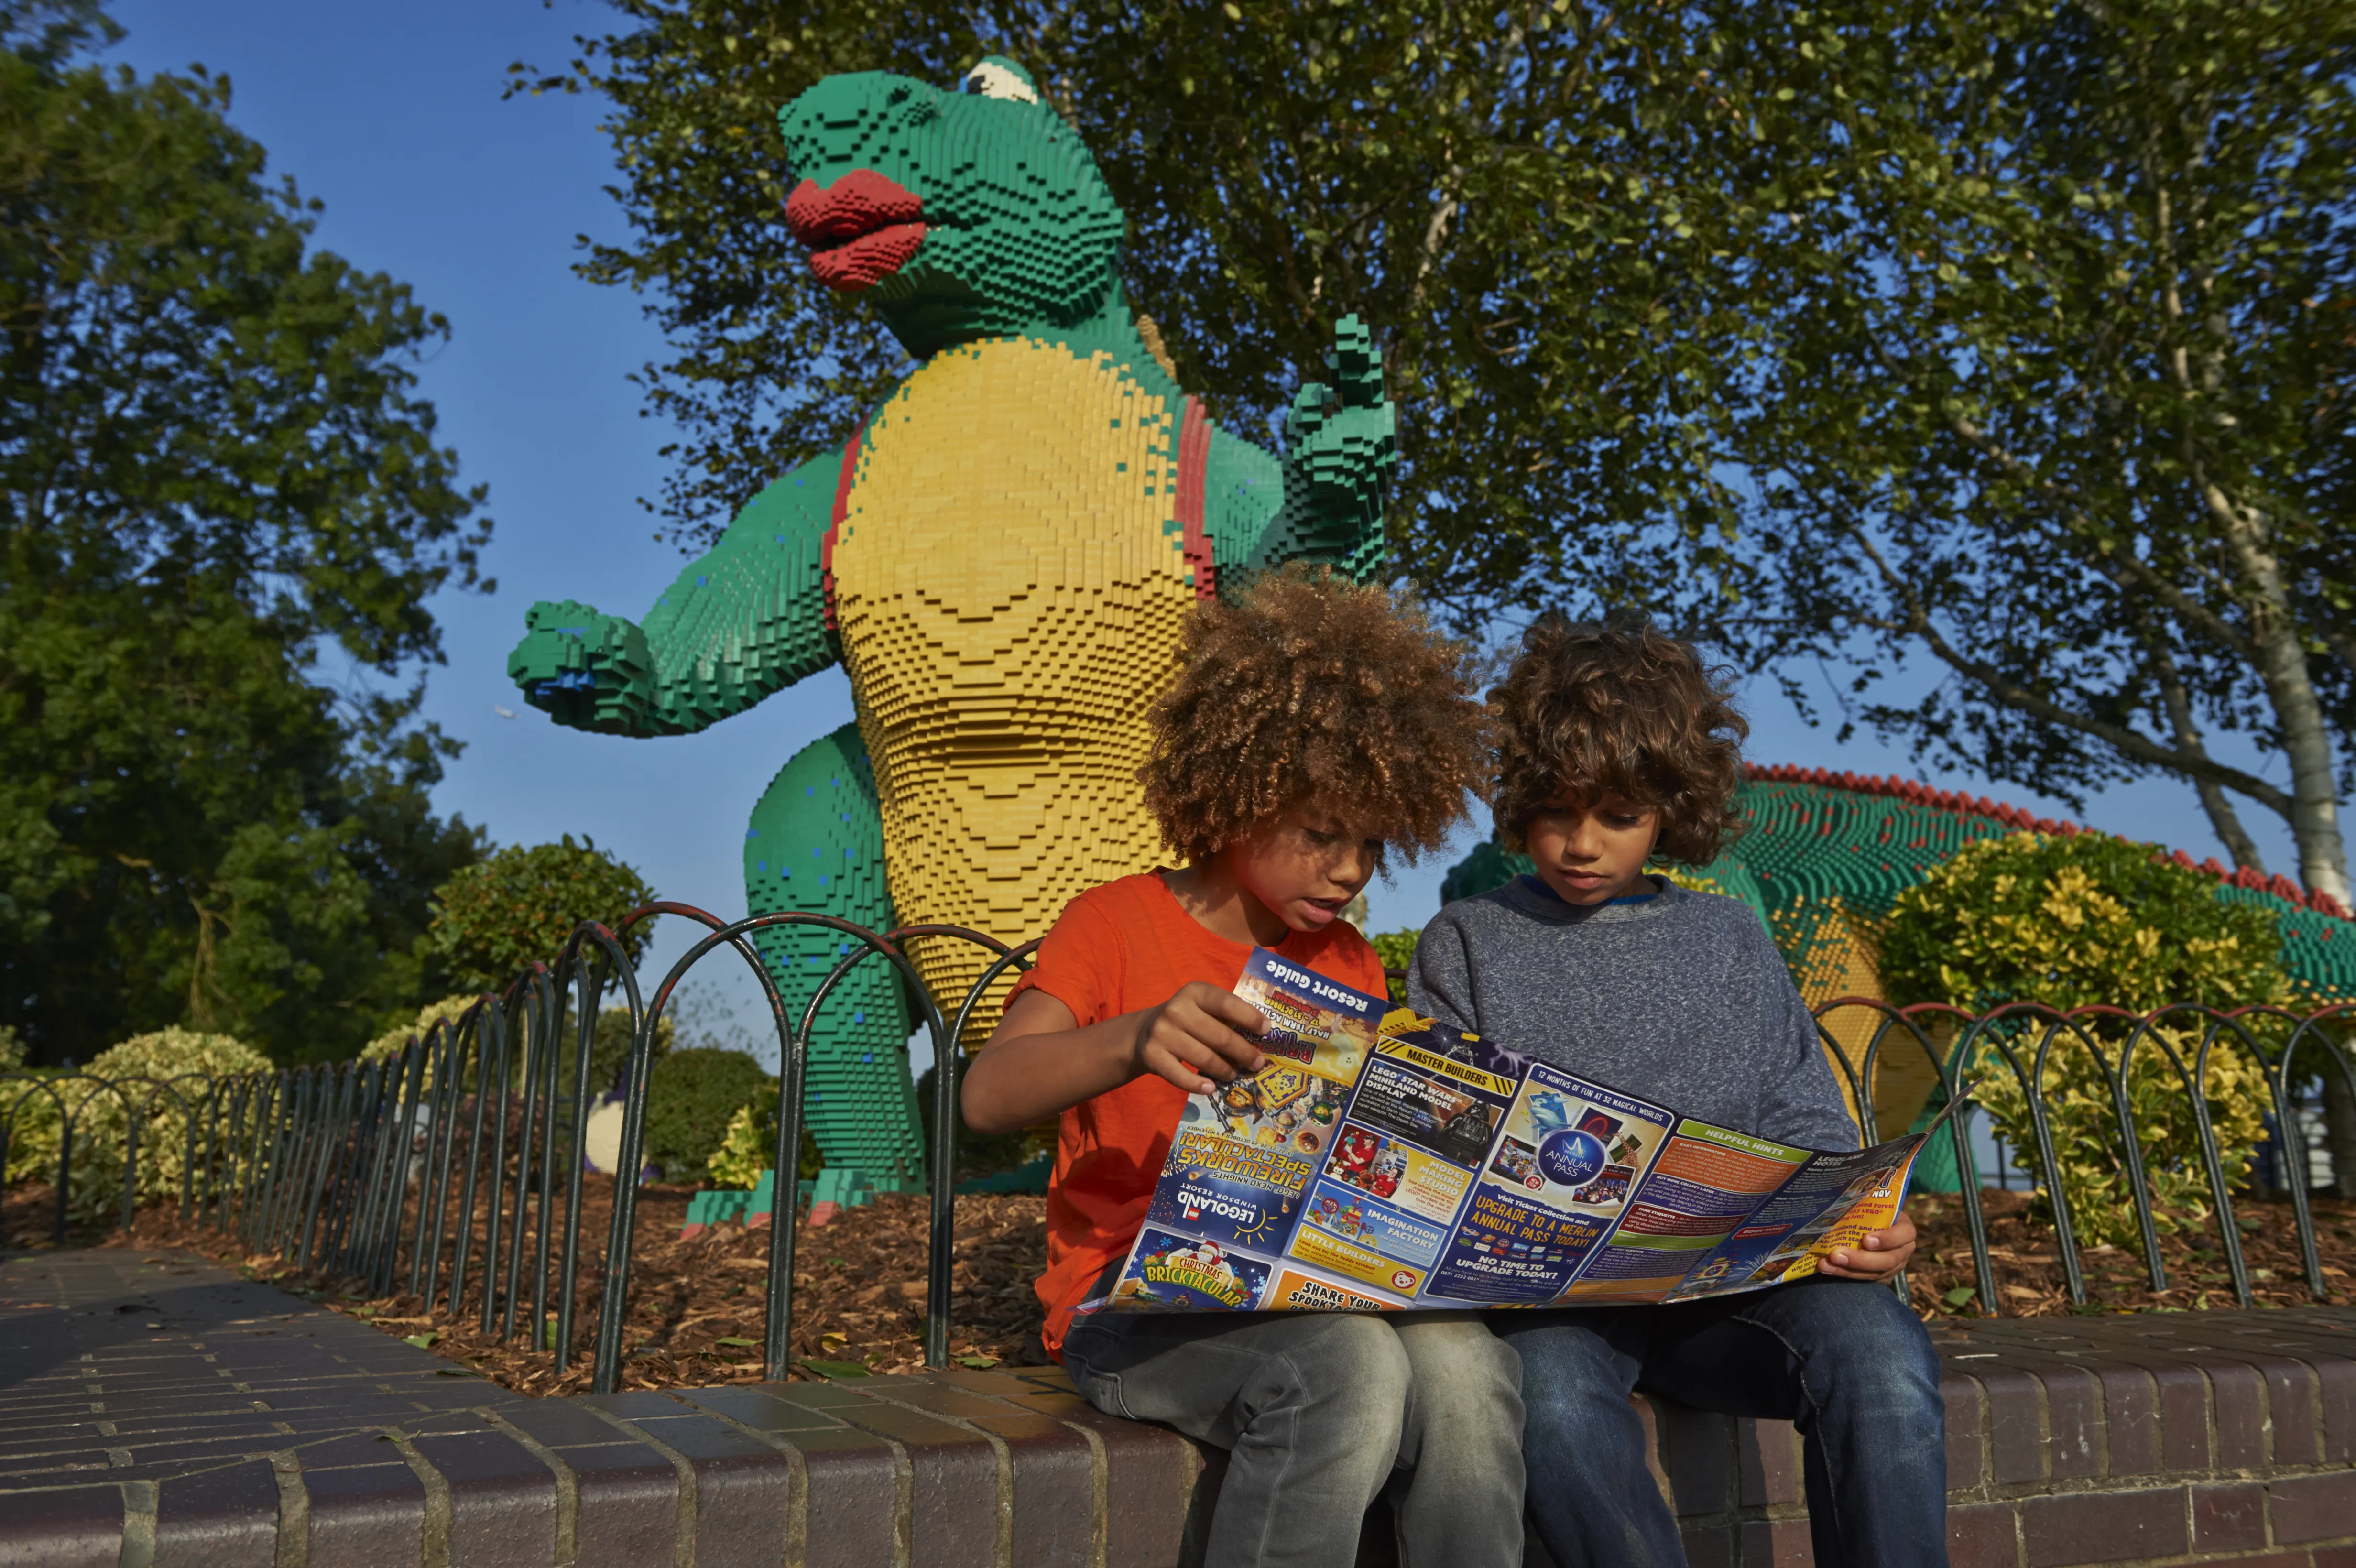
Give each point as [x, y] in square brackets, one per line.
[1009, 585]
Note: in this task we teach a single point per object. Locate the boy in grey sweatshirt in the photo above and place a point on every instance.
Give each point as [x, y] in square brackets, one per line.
[1618, 746]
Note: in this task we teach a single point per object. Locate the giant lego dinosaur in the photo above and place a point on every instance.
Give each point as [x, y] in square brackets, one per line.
[1002, 560]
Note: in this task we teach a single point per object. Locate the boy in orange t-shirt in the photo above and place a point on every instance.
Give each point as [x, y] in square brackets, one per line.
[1315, 724]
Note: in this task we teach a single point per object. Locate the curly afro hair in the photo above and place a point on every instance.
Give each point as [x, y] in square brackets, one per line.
[1618, 709]
[1311, 687]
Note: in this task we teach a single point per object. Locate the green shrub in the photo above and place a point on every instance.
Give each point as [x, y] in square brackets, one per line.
[691, 1099]
[102, 1118]
[750, 1144]
[608, 1049]
[982, 1154]
[1397, 950]
[520, 904]
[387, 1045]
[2082, 919]
[2070, 921]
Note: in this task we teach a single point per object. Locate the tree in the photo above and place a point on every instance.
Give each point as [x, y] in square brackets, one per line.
[213, 477]
[1485, 186]
[522, 904]
[2009, 340]
[2061, 397]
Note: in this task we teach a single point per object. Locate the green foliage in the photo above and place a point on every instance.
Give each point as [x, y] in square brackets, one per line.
[749, 1146]
[2074, 921]
[982, 1154]
[389, 1044]
[2084, 1126]
[1688, 878]
[1497, 191]
[2088, 920]
[102, 1118]
[691, 1100]
[213, 475]
[1397, 950]
[751, 1142]
[520, 904]
[2060, 390]
[609, 1048]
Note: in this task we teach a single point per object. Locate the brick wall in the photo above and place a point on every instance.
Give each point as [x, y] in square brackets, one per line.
[159, 1412]
[2223, 1438]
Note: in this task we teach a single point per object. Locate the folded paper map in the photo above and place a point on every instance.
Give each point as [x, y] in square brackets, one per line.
[1382, 1161]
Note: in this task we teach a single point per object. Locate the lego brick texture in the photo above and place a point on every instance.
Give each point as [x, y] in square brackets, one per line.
[816, 843]
[1002, 560]
[1009, 611]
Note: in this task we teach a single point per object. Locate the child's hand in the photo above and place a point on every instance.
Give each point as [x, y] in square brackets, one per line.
[1199, 1039]
[1882, 1253]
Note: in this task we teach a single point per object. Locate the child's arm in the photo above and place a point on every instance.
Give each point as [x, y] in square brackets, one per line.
[1040, 1062]
[1800, 1099]
[1805, 1107]
[1439, 978]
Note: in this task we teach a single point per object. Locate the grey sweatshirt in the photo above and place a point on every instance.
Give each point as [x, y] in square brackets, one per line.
[1680, 998]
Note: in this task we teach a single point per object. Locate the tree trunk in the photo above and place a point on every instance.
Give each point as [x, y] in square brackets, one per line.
[2290, 691]
[2223, 818]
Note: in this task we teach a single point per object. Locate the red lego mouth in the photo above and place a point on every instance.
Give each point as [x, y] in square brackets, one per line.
[860, 228]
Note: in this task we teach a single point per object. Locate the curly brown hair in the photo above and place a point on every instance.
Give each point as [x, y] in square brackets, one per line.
[1312, 686]
[1620, 710]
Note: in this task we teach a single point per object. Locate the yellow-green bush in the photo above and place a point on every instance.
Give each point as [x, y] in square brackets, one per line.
[2086, 1130]
[2072, 921]
[751, 1142]
[1688, 878]
[102, 1117]
[608, 1049]
[2076, 921]
[387, 1046]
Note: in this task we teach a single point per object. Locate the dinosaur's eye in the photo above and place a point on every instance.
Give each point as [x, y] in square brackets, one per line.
[992, 79]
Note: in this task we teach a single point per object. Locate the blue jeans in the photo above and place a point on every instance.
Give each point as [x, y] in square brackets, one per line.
[1844, 1362]
[1316, 1411]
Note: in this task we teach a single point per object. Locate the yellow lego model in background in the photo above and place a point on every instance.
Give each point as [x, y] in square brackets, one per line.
[1002, 560]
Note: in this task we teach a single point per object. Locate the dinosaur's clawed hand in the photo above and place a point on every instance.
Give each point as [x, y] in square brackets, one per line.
[587, 670]
[1341, 443]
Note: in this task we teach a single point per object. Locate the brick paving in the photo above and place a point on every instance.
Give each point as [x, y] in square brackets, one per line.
[160, 1410]
[163, 1411]
[150, 1405]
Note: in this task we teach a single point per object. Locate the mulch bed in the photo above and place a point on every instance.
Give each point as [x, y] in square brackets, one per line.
[2028, 1264]
[696, 1306]
[858, 1299]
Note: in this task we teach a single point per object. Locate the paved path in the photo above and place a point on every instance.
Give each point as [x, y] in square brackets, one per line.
[122, 1367]
[158, 1412]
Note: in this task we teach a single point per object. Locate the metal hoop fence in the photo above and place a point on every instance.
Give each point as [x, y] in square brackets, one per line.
[437, 1171]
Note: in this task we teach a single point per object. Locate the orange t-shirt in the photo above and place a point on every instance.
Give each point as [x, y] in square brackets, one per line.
[1115, 949]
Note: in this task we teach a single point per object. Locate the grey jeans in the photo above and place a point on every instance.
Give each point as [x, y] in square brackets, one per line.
[1316, 1410]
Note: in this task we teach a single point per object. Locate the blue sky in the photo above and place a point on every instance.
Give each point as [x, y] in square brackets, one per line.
[392, 115]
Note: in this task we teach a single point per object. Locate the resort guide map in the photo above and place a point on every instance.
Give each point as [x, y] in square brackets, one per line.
[1382, 1161]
